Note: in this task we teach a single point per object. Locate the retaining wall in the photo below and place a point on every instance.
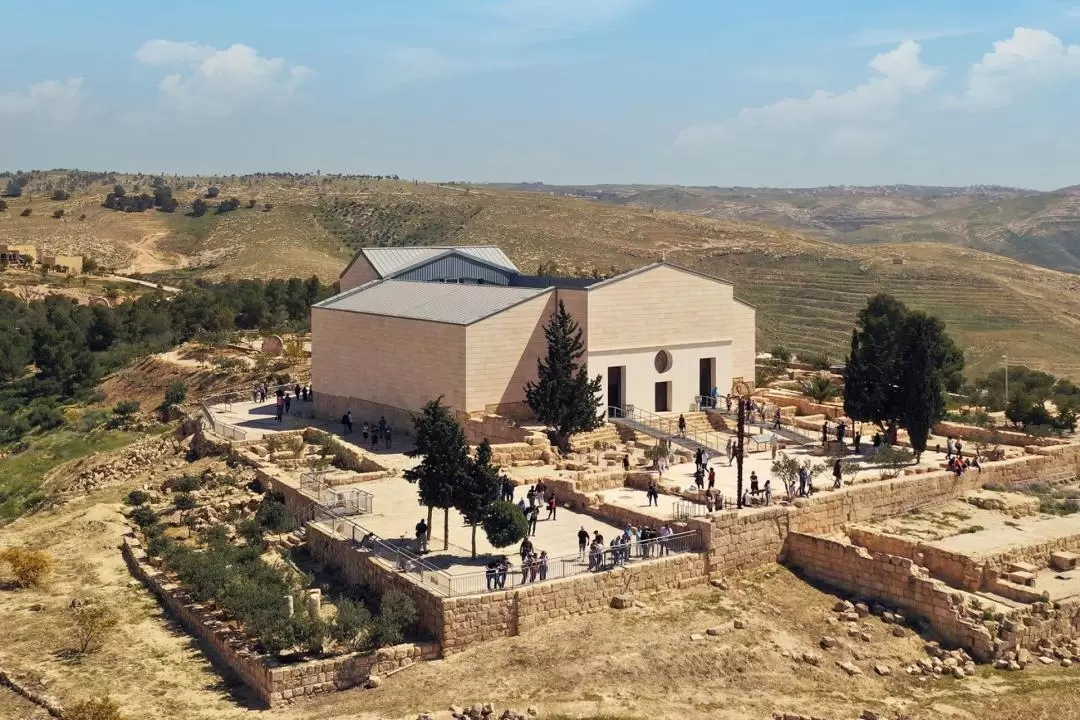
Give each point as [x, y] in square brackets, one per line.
[271, 682]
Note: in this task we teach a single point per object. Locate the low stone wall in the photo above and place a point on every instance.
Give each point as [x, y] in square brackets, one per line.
[271, 682]
[954, 616]
[893, 580]
[802, 405]
[493, 428]
[971, 433]
[475, 619]
[958, 570]
[361, 460]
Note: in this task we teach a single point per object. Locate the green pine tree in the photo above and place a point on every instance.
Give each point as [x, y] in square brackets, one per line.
[479, 488]
[563, 397]
[921, 378]
[440, 443]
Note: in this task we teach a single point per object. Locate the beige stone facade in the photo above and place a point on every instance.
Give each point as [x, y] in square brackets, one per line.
[371, 358]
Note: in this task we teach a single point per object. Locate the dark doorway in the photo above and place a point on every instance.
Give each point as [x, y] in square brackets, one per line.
[615, 385]
[706, 376]
[663, 397]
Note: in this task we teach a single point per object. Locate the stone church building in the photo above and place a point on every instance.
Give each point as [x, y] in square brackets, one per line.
[414, 323]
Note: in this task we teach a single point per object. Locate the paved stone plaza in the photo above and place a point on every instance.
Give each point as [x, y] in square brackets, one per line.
[397, 510]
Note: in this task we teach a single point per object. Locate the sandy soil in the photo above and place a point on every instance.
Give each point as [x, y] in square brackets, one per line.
[149, 257]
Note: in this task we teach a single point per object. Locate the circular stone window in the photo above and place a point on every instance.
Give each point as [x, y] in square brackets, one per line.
[662, 361]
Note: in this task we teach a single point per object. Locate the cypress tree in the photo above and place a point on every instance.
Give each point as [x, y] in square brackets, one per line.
[921, 380]
[563, 397]
[479, 488]
[440, 443]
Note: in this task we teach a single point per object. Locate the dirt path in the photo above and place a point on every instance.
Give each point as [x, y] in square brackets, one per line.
[150, 258]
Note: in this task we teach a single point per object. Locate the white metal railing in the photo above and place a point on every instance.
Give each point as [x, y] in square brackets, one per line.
[668, 428]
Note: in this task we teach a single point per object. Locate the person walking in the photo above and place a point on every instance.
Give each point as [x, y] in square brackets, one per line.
[652, 494]
[699, 479]
[730, 451]
[776, 419]
[525, 550]
[682, 426]
[280, 407]
[346, 420]
[837, 474]
[768, 491]
[712, 479]
[543, 565]
[534, 516]
[492, 575]
[374, 437]
[824, 433]
[386, 436]
[422, 536]
[552, 504]
[699, 458]
[507, 490]
[582, 542]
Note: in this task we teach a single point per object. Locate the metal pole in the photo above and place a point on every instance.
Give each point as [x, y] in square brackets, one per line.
[740, 437]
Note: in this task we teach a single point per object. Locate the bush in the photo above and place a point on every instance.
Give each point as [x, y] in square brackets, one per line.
[94, 709]
[352, 627]
[126, 408]
[60, 194]
[505, 524]
[213, 191]
[184, 483]
[252, 531]
[3, 205]
[92, 622]
[176, 393]
[274, 515]
[30, 567]
[136, 498]
[198, 208]
[143, 516]
[158, 545]
[892, 460]
[184, 501]
[397, 613]
[267, 207]
[44, 416]
[251, 203]
[26, 213]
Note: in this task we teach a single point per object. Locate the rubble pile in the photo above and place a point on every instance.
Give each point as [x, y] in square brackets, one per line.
[135, 460]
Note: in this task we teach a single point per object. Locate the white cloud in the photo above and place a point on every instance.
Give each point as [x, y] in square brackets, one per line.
[900, 73]
[872, 37]
[216, 82]
[52, 98]
[1027, 61]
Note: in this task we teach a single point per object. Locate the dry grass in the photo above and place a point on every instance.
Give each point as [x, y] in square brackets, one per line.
[807, 291]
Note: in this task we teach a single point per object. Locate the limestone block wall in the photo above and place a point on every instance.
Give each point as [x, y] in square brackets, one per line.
[741, 541]
[493, 428]
[360, 567]
[270, 681]
[969, 433]
[475, 619]
[893, 580]
[958, 570]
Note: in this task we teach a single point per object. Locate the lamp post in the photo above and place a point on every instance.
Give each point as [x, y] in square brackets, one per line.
[1005, 360]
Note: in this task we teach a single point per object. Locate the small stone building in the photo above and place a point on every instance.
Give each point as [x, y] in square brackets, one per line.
[412, 324]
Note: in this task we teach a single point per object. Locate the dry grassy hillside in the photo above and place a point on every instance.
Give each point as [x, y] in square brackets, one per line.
[807, 290]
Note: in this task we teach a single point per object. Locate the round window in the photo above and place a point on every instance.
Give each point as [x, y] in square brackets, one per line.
[662, 361]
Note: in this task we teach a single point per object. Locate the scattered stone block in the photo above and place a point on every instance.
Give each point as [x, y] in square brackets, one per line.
[958, 673]
[739, 624]
[882, 670]
[713, 631]
[696, 636]
[1021, 577]
[851, 669]
[1023, 567]
[622, 602]
[1045, 660]
[898, 631]
[843, 606]
[1064, 560]
[827, 643]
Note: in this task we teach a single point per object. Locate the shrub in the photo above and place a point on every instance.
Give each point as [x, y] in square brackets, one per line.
[198, 207]
[274, 515]
[58, 213]
[892, 461]
[397, 613]
[251, 202]
[213, 191]
[143, 516]
[26, 213]
[44, 416]
[176, 393]
[3, 205]
[126, 408]
[820, 388]
[60, 194]
[136, 498]
[184, 501]
[30, 567]
[184, 483]
[352, 626]
[158, 545]
[94, 709]
[504, 524]
[92, 622]
[252, 531]
[267, 207]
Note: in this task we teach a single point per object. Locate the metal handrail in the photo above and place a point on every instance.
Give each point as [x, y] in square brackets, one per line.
[764, 423]
[578, 564]
[668, 427]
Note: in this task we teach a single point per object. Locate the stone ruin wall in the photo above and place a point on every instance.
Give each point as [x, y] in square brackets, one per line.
[899, 582]
[271, 683]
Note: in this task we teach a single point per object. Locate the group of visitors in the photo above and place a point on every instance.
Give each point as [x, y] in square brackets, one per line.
[282, 398]
[960, 465]
[538, 497]
[839, 433]
[645, 542]
[376, 431]
[534, 565]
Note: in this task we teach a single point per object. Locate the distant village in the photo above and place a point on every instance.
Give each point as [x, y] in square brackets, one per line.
[28, 256]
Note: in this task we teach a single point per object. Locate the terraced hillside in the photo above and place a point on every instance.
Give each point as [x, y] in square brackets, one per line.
[807, 290]
[1042, 228]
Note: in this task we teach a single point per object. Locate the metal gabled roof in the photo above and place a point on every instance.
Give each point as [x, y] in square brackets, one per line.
[389, 261]
[451, 303]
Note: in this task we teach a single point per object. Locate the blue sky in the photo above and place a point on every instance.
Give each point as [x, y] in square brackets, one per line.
[775, 92]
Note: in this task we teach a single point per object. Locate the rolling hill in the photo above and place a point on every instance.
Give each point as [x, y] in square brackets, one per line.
[1041, 228]
[807, 289]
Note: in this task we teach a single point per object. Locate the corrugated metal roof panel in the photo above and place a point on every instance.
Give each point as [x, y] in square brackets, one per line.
[389, 260]
[452, 303]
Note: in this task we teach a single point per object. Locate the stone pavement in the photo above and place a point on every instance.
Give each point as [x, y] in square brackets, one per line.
[397, 510]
